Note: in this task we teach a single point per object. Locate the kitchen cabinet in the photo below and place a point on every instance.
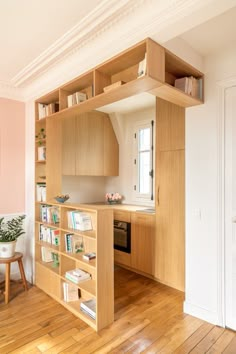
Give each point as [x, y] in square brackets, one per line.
[142, 242]
[89, 146]
[170, 195]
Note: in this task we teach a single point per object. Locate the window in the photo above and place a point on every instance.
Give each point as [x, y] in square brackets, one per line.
[143, 161]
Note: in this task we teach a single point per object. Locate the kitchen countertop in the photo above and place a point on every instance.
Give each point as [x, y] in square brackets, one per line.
[126, 207]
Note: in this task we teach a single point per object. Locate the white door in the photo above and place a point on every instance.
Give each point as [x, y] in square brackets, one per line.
[230, 207]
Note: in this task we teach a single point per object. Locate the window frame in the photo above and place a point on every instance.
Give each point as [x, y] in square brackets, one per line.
[143, 197]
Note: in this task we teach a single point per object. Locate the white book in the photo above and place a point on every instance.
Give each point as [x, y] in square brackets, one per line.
[70, 101]
[89, 307]
[142, 68]
[46, 255]
[70, 292]
[42, 153]
[82, 221]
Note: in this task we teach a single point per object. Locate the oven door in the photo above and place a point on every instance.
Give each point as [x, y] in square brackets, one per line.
[122, 237]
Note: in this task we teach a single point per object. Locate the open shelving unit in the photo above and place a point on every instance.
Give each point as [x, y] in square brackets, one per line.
[161, 70]
[50, 277]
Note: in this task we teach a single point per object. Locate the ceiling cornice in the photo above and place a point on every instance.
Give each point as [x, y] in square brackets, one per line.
[9, 91]
[97, 21]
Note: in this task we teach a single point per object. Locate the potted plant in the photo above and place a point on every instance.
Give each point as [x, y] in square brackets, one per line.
[9, 232]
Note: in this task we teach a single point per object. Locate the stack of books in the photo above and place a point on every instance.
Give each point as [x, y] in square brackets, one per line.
[41, 153]
[74, 243]
[77, 275]
[89, 307]
[41, 192]
[49, 214]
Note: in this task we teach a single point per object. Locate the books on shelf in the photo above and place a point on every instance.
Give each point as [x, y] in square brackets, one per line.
[47, 234]
[76, 98]
[77, 275]
[79, 220]
[190, 85]
[41, 153]
[113, 86]
[70, 292]
[74, 243]
[89, 255]
[46, 255]
[142, 67]
[49, 214]
[45, 110]
[41, 192]
[89, 307]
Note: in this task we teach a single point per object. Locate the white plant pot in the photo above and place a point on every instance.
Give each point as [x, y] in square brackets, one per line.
[7, 249]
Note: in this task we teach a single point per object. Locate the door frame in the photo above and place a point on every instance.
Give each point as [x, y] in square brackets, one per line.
[221, 236]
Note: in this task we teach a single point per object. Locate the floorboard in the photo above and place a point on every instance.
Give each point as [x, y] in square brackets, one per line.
[149, 318]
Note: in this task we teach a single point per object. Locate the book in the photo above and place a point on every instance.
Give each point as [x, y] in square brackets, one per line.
[113, 86]
[89, 255]
[80, 97]
[81, 221]
[68, 242]
[41, 192]
[77, 244]
[41, 153]
[89, 307]
[142, 67]
[70, 292]
[46, 255]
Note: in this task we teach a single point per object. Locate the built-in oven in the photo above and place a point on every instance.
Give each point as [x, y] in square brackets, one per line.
[122, 236]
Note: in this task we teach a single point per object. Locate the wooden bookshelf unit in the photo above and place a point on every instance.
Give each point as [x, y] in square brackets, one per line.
[50, 276]
[63, 116]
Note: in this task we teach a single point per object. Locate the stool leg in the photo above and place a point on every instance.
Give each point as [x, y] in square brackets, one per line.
[7, 282]
[22, 272]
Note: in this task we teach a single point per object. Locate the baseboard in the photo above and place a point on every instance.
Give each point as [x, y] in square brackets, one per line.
[201, 313]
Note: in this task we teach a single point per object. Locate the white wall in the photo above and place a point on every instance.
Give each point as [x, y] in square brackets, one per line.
[124, 126]
[202, 192]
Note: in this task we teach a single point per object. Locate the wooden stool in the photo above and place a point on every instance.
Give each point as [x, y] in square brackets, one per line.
[7, 261]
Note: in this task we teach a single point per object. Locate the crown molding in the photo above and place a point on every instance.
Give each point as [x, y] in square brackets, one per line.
[9, 91]
[92, 25]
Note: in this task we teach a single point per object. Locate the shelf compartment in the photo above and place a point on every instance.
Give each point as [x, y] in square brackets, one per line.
[89, 286]
[79, 259]
[74, 307]
[83, 83]
[88, 234]
[50, 98]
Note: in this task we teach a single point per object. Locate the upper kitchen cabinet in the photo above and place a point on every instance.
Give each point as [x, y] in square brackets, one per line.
[89, 146]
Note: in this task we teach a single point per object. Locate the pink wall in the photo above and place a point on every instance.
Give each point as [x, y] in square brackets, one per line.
[12, 156]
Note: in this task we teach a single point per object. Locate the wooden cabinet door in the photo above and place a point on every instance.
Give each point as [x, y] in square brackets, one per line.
[68, 146]
[142, 242]
[89, 144]
[170, 235]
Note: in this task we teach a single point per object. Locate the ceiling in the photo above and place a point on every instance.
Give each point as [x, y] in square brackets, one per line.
[29, 27]
[35, 34]
[214, 34]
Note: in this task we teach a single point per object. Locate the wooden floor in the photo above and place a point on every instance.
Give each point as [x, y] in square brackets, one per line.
[148, 319]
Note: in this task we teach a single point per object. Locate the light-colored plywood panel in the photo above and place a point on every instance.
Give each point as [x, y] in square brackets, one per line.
[155, 61]
[105, 274]
[170, 231]
[90, 140]
[53, 156]
[170, 126]
[142, 242]
[111, 150]
[174, 95]
[68, 145]
[122, 258]
[122, 215]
